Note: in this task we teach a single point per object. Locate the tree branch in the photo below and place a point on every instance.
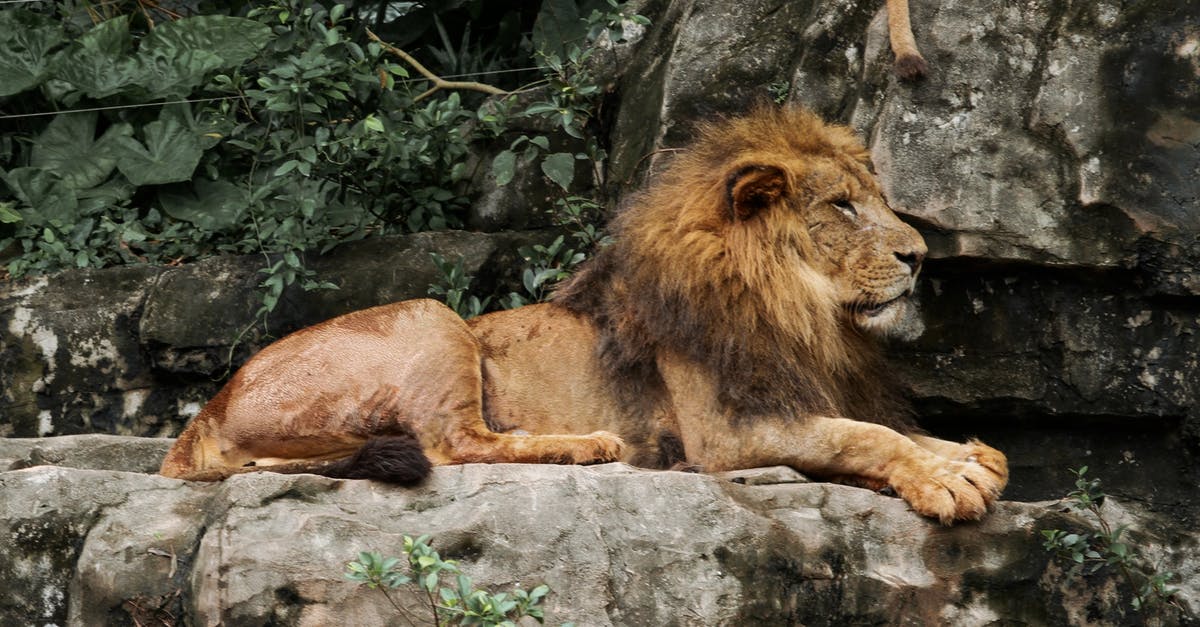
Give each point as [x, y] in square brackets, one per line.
[439, 83]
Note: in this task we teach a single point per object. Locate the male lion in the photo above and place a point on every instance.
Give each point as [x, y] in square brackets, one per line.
[728, 326]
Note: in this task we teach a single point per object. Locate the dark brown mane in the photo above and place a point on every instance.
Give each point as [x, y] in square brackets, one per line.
[738, 297]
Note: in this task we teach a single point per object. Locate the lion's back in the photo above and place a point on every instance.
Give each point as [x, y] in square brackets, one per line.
[352, 372]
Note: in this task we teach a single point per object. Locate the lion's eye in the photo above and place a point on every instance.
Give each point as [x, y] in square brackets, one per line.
[845, 206]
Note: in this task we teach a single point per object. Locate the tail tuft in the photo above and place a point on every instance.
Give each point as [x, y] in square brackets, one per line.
[393, 459]
[911, 67]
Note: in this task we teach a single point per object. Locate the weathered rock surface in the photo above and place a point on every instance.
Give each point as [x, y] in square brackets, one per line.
[1052, 132]
[619, 546]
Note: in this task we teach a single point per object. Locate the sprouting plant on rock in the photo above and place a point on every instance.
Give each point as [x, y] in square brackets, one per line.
[454, 287]
[1106, 546]
[460, 603]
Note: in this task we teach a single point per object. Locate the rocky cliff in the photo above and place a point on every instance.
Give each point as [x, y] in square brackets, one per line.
[1051, 160]
[98, 541]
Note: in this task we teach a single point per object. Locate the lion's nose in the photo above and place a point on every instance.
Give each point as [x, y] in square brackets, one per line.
[912, 259]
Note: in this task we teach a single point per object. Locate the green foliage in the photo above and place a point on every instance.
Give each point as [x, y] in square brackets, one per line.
[454, 287]
[145, 137]
[779, 91]
[458, 603]
[300, 139]
[563, 45]
[544, 266]
[563, 41]
[1105, 546]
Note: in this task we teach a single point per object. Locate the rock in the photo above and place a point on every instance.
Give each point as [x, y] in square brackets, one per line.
[69, 355]
[1050, 161]
[618, 546]
[92, 451]
[1041, 136]
[1061, 370]
[1057, 133]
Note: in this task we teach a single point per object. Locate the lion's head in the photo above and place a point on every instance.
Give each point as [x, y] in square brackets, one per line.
[767, 251]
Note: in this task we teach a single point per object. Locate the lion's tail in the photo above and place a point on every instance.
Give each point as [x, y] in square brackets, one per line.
[395, 459]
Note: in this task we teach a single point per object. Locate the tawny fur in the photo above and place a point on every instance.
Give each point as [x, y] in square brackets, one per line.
[910, 65]
[732, 324]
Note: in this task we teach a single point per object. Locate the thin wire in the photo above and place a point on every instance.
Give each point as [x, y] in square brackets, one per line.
[520, 69]
[155, 104]
[114, 107]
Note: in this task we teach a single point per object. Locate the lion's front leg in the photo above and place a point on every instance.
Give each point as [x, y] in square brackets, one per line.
[863, 453]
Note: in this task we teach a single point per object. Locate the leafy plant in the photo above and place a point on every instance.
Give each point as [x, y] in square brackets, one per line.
[779, 91]
[293, 137]
[1088, 552]
[544, 266]
[563, 45]
[144, 136]
[454, 288]
[460, 603]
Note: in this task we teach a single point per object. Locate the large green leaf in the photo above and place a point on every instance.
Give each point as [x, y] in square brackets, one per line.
[170, 153]
[69, 148]
[560, 167]
[504, 167]
[177, 56]
[100, 63]
[44, 196]
[26, 40]
[8, 213]
[233, 40]
[560, 23]
[111, 192]
[178, 74]
[210, 205]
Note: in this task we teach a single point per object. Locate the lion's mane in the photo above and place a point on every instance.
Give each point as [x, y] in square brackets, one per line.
[738, 297]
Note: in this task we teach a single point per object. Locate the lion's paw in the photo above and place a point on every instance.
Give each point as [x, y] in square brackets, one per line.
[976, 452]
[606, 447]
[949, 491]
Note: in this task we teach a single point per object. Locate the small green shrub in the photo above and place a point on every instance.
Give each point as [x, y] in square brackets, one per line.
[454, 288]
[1105, 547]
[422, 570]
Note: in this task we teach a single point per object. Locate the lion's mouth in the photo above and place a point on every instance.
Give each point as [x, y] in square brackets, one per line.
[871, 310]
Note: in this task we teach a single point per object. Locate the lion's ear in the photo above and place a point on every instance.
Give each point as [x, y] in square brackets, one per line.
[754, 188]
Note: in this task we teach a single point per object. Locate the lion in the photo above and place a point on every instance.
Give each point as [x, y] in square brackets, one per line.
[910, 64]
[732, 323]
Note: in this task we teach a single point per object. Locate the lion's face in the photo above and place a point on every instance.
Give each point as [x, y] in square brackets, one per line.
[871, 257]
[834, 212]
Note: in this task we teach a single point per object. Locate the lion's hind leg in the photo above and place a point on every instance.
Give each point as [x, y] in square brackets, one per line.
[397, 459]
[481, 445]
